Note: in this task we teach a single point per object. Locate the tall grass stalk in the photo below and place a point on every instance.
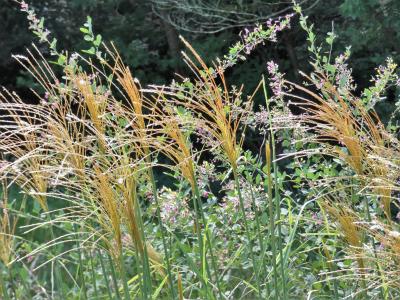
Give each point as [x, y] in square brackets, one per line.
[206, 291]
[125, 278]
[278, 214]
[103, 270]
[271, 211]
[163, 233]
[132, 89]
[114, 276]
[209, 103]
[247, 230]
[273, 165]
[58, 269]
[179, 151]
[81, 266]
[93, 274]
[196, 193]
[7, 230]
[263, 265]
[147, 281]
[332, 267]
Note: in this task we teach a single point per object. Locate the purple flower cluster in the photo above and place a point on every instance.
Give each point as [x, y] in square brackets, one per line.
[231, 202]
[278, 25]
[385, 74]
[343, 76]
[35, 24]
[252, 37]
[316, 218]
[173, 208]
[206, 173]
[206, 137]
[248, 43]
[261, 120]
[272, 67]
[320, 83]
[276, 79]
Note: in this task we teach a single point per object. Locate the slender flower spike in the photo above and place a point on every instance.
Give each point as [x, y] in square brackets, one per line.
[277, 81]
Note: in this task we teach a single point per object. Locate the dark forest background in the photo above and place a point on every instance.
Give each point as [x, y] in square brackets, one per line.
[146, 33]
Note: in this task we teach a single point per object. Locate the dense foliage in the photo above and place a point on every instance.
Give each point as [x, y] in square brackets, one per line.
[146, 33]
[250, 174]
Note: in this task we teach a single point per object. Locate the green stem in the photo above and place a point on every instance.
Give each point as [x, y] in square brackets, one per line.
[278, 214]
[114, 277]
[200, 242]
[103, 269]
[213, 262]
[81, 266]
[246, 227]
[271, 204]
[57, 270]
[331, 266]
[145, 257]
[82, 276]
[369, 218]
[93, 275]
[193, 267]
[260, 237]
[123, 275]
[271, 212]
[276, 195]
[163, 231]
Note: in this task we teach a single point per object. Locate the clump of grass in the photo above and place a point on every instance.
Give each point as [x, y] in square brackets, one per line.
[347, 129]
[349, 227]
[19, 139]
[72, 147]
[216, 113]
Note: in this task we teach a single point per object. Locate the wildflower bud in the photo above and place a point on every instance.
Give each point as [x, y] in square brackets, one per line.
[24, 6]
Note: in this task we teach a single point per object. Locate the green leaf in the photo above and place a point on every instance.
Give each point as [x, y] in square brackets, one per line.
[41, 24]
[311, 36]
[53, 44]
[90, 51]
[330, 38]
[88, 38]
[88, 21]
[84, 30]
[97, 42]
[330, 68]
[61, 60]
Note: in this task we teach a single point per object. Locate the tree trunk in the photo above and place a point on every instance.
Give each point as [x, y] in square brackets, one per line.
[173, 41]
